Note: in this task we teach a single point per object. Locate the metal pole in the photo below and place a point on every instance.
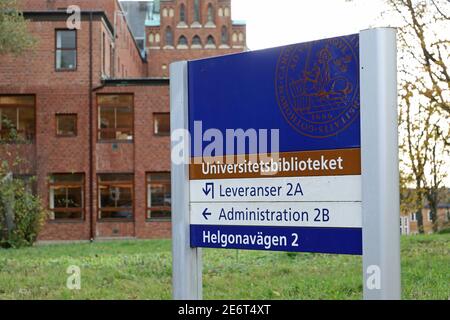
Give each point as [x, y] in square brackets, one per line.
[187, 261]
[380, 172]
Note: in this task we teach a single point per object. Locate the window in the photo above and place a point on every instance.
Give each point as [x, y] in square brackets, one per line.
[115, 117]
[196, 41]
[158, 196]
[66, 125]
[182, 13]
[182, 41]
[103, 53]
[17, 118]
[210, 42]
[224, 35]
[111, 59]
[66, 198]
[169, 37]
[429, 216]
[115, 192]
[196, 10]
[210, 13]
[413, 217]
[161, 124]
[66, 50]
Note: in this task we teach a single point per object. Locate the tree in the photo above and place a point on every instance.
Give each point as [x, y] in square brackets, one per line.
[21, 213]
[424, 62]
[14, 35]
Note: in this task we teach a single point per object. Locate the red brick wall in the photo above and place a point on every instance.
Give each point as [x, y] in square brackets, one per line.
[68, 92]
[128, 62]
[161, 59]
[160, 55]
[150, 153]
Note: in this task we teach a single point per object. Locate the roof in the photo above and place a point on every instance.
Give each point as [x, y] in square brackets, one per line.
[440, 206]
[136, 12]
[153, 13]
[57, 15]
[239, 22]
[137, 82]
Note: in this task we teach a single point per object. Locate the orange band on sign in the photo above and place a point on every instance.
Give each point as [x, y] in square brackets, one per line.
[286, 164]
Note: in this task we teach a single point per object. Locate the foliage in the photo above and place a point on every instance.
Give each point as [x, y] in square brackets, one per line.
[424, 52]
[21, 213]
[142, 269]
[28, 212]
[14, 35]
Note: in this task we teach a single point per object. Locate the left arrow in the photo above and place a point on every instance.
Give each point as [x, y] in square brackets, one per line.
[206, 213]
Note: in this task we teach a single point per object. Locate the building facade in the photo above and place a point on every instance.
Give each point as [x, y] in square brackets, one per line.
[90, 110]
[409, 224]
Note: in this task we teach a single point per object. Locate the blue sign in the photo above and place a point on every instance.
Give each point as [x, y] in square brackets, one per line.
[293, 239]
[310, 93]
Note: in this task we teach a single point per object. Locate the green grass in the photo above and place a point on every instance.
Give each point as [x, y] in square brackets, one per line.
[142, 270]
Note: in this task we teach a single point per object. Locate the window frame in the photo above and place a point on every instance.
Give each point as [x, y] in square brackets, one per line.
[210, 14]
[224, 35]
[17, 106]
[83, 199]
[169, 35]
[197, 16]
[154, 124]
[147, 197]
[66, 135]
[99, 130]
[133, 198]
[183, 38]
[195, 38]
[66, 49]
[182, 16]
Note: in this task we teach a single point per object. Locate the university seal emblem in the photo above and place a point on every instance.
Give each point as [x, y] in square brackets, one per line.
[317, 86]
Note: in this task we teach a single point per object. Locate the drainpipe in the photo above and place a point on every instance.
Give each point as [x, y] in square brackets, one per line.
[91, 138]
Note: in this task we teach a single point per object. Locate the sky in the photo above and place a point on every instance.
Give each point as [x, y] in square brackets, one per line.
[279, 22]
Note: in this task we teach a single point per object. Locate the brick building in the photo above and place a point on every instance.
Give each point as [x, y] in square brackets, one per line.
[409, 223]
[91, 110]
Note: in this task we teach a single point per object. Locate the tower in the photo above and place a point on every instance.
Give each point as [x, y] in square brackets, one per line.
[190, 29]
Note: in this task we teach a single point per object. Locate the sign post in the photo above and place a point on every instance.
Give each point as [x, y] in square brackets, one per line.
[380, 173]
[187, 261]
[288, 149]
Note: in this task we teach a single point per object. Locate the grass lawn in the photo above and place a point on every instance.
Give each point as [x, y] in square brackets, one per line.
[142, 270]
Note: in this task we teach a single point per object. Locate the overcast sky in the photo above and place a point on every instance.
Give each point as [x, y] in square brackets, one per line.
[279, 22]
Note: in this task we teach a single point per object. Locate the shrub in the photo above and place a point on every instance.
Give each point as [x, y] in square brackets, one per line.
[445, 230]
[28, 214]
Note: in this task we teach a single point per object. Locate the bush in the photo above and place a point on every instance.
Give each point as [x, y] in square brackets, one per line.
[446, 230]
[28, 212]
